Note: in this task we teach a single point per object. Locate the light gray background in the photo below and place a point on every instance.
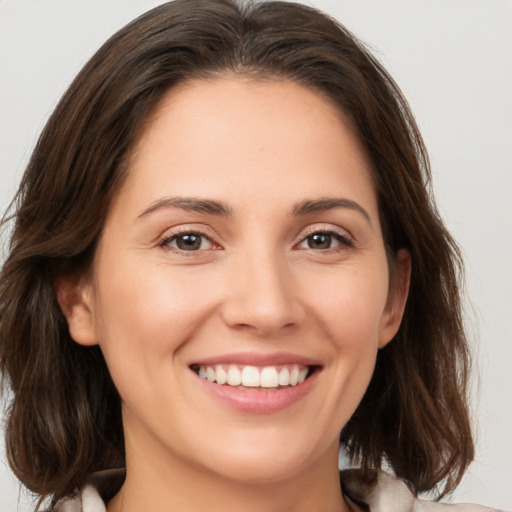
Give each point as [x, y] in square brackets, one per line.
[453, 60]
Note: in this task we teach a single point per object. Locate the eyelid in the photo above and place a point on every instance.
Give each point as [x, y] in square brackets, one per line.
[323, 227]
[211, 235]
[345, 241]
[199, 229]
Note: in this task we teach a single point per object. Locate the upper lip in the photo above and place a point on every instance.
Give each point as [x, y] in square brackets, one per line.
[257, 359]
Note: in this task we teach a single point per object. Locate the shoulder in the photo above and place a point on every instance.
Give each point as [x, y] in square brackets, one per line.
[100, 487]
[381, 493]
[385, 493]
[87, 500]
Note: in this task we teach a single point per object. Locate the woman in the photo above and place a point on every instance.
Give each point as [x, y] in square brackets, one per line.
[224, 255]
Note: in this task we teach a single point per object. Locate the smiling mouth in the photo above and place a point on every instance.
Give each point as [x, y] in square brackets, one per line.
[255, 378]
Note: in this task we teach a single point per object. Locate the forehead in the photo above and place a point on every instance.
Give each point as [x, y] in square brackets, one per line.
[247, 103]
[222, 136]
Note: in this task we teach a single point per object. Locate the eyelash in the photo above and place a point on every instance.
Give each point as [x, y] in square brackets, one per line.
[167, 239]
[345, 242]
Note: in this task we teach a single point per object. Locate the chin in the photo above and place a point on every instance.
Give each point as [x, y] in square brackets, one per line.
[258, 463]
[258, 471]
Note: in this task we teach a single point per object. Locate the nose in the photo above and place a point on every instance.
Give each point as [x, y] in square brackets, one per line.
[261, 295]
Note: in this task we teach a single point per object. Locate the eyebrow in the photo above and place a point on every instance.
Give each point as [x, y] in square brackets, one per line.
[191, 204]
[209, 206]
[319, 205]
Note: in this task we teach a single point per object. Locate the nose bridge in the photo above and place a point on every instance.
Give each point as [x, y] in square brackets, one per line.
[261, 293]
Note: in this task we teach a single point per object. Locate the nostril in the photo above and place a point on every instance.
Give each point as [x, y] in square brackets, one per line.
[258, 300]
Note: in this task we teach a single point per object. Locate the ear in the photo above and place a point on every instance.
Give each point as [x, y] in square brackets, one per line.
[397, 298]
[75, 298]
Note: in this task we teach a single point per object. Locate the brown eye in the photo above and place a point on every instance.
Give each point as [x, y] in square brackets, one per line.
[189, 242]
[325, 240]
[319, 241]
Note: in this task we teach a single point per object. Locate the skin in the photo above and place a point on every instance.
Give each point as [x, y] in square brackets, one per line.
[257, 284]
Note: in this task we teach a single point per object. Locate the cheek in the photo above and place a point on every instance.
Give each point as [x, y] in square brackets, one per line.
[351, 304]
[150, 312]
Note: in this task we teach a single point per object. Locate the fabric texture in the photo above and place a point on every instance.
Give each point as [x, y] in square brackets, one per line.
[385, 494]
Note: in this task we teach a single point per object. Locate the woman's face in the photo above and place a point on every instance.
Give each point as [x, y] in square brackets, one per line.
[244, 246]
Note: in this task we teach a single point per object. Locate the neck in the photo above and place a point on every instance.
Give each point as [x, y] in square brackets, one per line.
[167, 484]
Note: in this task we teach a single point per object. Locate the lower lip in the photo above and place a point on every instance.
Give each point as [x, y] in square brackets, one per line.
[259, 401]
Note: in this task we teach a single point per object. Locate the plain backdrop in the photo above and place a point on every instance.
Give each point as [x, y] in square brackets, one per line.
[452, 59]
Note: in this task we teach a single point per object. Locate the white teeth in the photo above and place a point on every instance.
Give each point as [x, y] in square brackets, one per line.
[222, 376]
[284, 377]
[294, 376]
[269, 377]
[253, 377]
[210, 374]
[234, 376]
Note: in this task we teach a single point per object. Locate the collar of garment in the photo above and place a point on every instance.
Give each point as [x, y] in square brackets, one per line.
[380, 492]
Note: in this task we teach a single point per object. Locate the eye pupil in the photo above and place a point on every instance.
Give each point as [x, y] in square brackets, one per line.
[188, 242]
[319, 241]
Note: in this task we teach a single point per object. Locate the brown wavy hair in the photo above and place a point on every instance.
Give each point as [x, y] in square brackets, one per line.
[64, 418]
